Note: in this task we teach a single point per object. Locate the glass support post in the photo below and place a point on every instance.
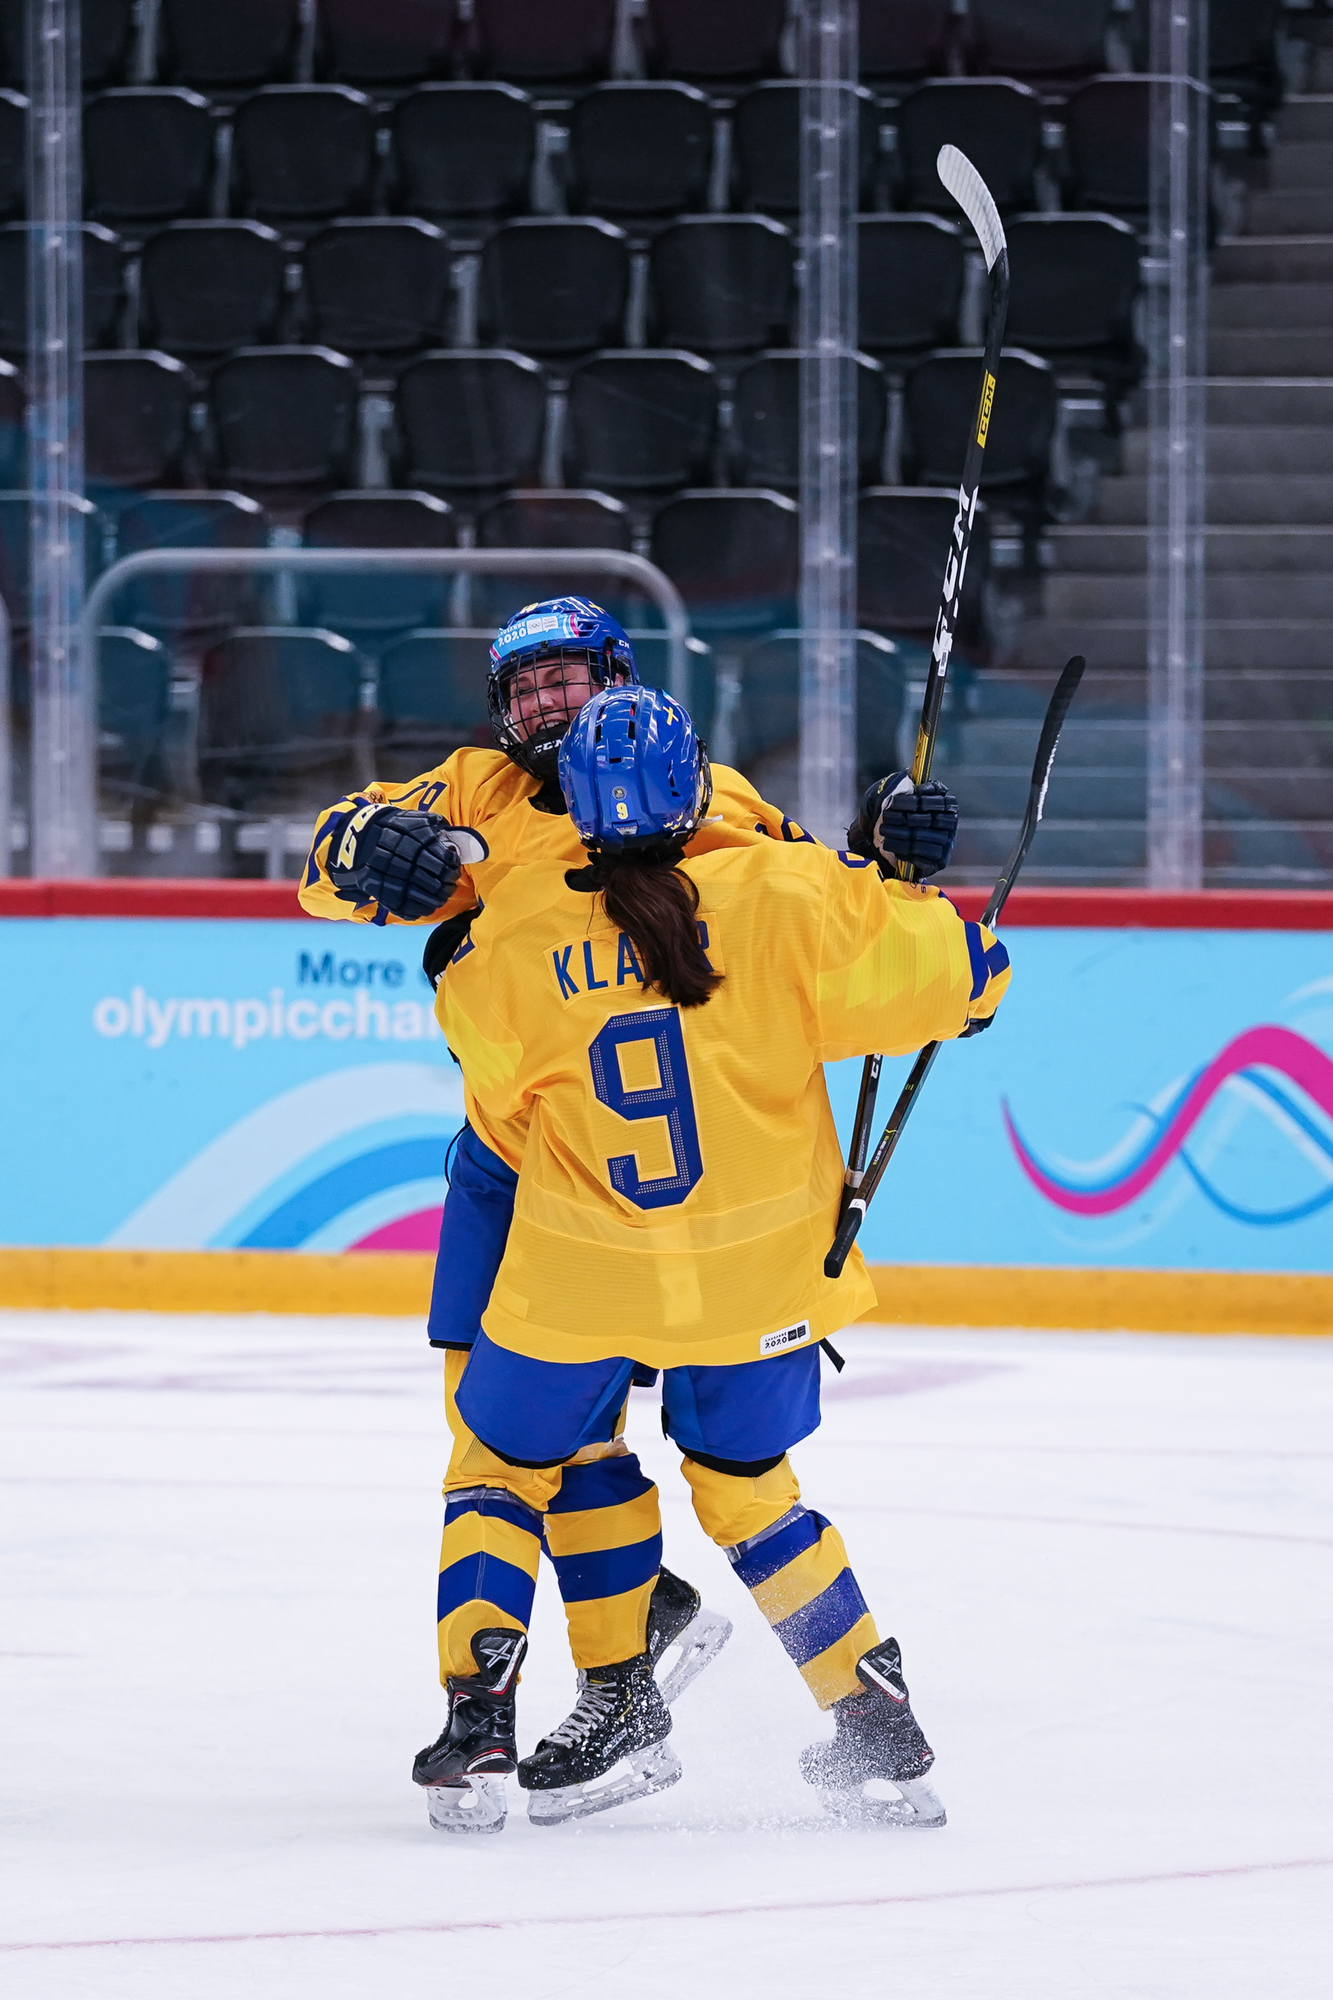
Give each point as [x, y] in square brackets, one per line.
[1177, 415]
[828, 69]
[63, 817]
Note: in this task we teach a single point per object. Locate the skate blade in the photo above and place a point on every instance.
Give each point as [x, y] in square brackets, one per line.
[479, 1806]
[649, 1771]
[700, 1642]
[918, 1805]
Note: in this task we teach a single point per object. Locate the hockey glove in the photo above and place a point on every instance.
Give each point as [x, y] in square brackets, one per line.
[407, 862]
[900, 821]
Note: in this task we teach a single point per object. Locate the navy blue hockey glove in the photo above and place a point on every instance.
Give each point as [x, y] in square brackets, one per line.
[900, 821]
[407, 862]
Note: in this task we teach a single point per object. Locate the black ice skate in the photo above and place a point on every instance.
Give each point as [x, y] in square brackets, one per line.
[677, 1617]
[620, 1716]
[878, 1742]
[464, 1770]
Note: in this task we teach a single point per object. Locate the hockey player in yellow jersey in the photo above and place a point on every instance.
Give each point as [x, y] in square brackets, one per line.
[659, 1020]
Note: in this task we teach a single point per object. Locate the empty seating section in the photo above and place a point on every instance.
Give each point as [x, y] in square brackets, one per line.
[283, 420]
[939, 403]
[208, 287]
[722, 284]
[463, 150]
[374, 608]
[183, 605]
[999, 125]
[641, 422]
[470, 423]
[553, 287]
[736, 43]
[386, 44]
[102, 287]
[303, 153]
[910, 284]
[566, 44]
[640, 151]
[765, 426]
[766, 149]
[567, 519]
[13, 152]
[148, 156]
[1047, 43]
[279, 708]
[378, 287]
[230, 47]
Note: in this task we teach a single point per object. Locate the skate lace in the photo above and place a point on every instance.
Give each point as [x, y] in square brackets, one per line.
[595, 1703]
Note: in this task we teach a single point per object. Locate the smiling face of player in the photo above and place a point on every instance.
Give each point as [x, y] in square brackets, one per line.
[550, 692]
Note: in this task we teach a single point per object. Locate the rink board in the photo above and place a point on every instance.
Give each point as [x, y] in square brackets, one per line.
[1151, 1101]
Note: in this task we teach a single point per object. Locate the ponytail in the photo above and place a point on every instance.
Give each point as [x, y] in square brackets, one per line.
[649, 898]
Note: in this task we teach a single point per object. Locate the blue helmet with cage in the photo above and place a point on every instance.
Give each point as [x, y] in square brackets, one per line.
[545, 662]
[634, 774]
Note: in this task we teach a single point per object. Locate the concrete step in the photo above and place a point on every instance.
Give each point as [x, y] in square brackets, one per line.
[1284, 649]
[991, 793]
[1301, 552]
[1084, 596]
[1303, 350]
[1289, 212]
[1259, 260]
[1268, 400]
[1262, 306]
[1232, 449]
[1304, 121]
[1233, 499]
[1063, 849]
[1299, 164]
[1010, 743]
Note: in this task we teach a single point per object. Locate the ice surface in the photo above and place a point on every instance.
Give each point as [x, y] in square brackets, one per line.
[1109, 1562]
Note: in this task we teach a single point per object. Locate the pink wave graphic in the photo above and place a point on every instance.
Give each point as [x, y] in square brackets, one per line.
[415, 1232]
[1275, 1048]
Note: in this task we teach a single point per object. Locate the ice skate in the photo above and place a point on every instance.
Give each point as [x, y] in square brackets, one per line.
[677, 1617]
[878, 1743]
[616, 1732]
[464, 1770]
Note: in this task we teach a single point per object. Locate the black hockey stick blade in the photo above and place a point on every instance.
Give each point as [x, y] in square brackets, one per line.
[1056, 711]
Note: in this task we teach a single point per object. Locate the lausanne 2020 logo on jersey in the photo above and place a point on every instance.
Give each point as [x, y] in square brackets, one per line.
[1272, 1071]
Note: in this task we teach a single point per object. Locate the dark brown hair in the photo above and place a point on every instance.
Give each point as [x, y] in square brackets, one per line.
[655, 905]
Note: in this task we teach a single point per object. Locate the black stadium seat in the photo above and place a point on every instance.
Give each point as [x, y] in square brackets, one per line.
[767, 719]
[640, 421]
[722, 284]
[464, 149]
[939, 404]
[639, 150]
[1073, 282]
[303, 153]
[13, 153]
[904, 40]
[16, 547]
[766, 150]
[911, 284]
[568, 518]
[136, 416]
[377, 285]
[431, 700]
[147, 155]
[386, 43]
[551, 286]
[133, 707]
[904, 534]
[568, 43]
[232, 46]
[732, 43]
[470, 423]
[190, 603]
[106, 42]
[102, 288]
[13, 427]
[368, 605]
[996, 123]
[284, 419]
[278, 712]
[1030, 38]
[209, 286]
[765, 432]
[733, 556]
[1106, 144]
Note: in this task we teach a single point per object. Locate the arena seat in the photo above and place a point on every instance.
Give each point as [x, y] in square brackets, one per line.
[385, 44]
[102, 288]
[278, 714]
[639, 150]
[553, 287]
[705, 42]
[368, 606]
[903, 536]
[107, 32]
[233, 46]
[733, 556]
[542, 518]
[911, 284]
[1034, 40]
[378, 285]
[997, 124]
[13, 427]
[1106, 145]
[133, 709]
[766, 149]
[1073, 282]
[205, 287]
[463, 149]
[183, 604]
[939, 404]
[284, 419]
[431, 701]
[902, 41]
[16, 550]
[764, 444]
[471, 423]
[303, 153]
[767, 716]
[722, 284]
[13, 153]
[147, 155]
[1242, 50]
[136, 414]
[564, 44]
[640, 420]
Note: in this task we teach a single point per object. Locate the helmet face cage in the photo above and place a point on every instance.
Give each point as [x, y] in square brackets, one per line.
[550, 659]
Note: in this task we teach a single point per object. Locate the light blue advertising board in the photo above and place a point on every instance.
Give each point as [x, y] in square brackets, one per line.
[1150, 1099]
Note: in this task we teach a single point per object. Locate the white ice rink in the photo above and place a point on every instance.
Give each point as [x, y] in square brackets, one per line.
[1109, 1562]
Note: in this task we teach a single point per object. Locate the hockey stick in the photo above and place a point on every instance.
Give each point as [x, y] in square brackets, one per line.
[853, 1213]
[968, 189]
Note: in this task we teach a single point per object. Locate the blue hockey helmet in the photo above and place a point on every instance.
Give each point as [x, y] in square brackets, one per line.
[633, 771]
[545, 663]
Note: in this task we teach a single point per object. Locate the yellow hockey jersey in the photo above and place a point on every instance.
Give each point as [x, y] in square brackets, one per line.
[679, 1182]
